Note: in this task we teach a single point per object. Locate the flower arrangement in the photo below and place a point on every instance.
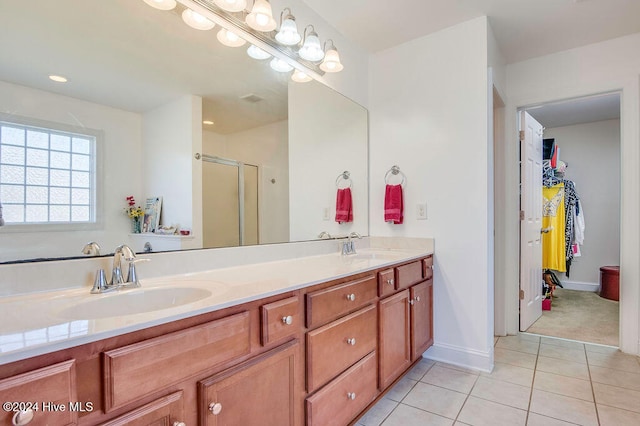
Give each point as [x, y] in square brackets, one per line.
[132, 211]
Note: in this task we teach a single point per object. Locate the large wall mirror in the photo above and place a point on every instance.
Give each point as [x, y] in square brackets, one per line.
[130, 120]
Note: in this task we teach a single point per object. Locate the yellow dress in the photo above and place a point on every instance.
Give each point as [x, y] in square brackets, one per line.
[553, 216]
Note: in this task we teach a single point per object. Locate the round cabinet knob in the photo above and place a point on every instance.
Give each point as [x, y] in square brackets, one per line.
[390, 281]
[215, 408]
[417, 298]
[351, 341]
[179, 424]
[288, 320]
[351, 297]
[23, 417]
[411, 301]
[351, 395]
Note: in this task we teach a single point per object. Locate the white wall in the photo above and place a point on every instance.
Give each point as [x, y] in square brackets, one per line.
[429, 115]
[323, 143]
[121, 170]
[597, 68]
[267, 147]
[592, 151]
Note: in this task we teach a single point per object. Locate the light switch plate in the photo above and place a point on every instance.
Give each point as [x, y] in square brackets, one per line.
[326, 214]
[421, 211]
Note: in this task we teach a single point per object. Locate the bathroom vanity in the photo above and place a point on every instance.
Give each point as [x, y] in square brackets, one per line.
[275, 347]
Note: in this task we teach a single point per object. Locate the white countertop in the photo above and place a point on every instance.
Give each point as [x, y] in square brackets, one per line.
[40, 323]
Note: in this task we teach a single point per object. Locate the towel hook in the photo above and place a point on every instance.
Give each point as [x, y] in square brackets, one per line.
[345, 176]
[394, 171]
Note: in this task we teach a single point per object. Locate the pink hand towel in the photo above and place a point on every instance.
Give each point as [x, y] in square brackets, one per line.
[393, 204]
[344, 206]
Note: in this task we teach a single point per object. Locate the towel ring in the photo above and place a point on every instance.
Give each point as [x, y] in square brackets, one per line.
[394, 171]
[344, 176]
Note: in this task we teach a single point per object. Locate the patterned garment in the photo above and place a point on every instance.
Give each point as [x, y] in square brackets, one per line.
[553, 218]
[570, 201]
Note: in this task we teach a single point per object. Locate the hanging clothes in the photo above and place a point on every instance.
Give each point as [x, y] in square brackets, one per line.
[553, 218]
[570, 201]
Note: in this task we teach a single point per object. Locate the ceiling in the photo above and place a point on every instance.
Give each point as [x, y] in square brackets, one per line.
[577, 111]
[523, 28]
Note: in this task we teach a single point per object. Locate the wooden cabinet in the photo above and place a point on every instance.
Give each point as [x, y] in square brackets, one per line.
[394, 345]
[54, 385]
[167, 411]
[259, 392]
[409, 274]
[280, 320]
[386, 282]
[330, 303]
[421, 298]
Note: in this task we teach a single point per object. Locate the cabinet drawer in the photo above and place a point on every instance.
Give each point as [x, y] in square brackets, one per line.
[55, 384]
[330, 303]
[386, 282]
[427, 265]
[409, 274]
[134, 371]
[167, 410]
[333, 348]
[343, 399]
[280, 320]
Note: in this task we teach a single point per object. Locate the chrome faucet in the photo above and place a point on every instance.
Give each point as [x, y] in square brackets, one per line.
[324, 234]
[91, 249]
[117, 280]
[348, 247]
[116, 271]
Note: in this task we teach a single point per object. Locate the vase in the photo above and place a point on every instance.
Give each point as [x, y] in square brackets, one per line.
[136, 225]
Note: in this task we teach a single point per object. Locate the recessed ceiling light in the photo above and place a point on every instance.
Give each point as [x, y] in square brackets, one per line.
[58, 78]
[208, 122]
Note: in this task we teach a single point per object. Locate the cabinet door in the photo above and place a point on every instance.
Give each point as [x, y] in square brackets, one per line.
[165, 411]
[395, 354]
[259, 392]
[421, 318]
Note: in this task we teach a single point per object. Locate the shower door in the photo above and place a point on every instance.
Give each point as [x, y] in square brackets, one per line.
[229, 203]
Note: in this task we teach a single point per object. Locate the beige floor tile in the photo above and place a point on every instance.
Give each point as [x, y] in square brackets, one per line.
[610, 416]
[479, 412]
[410, 416]
[616, 361]
[435, 399]
[566, 354]
[502, 392]
[401, 389]
[567, 386]
[617, 397]
[516, 343]
[608, 376]
[529, 337]
[459, 368]
[563, 368]
[451, 379]
[511, 373]
[420, 369]
[564, 408]
[519, 359]
[538, 420]
[495, 340]
[601, 348]
[562, 343]
[376, 414]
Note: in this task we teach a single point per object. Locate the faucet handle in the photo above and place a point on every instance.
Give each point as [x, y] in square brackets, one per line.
[100, 284]
[132, 278]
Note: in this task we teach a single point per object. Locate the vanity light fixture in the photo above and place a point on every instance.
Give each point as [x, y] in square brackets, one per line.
[256, 53]
[161, 4]
[230, 39]
[197, 21]
[331, 61]
[279, 65]
[58, 78]
[300, 77]
[231, 5]
[311, 49]
[288, 34]
[261, 17]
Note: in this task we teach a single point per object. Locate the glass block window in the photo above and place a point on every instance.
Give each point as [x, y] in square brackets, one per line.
[47, 176]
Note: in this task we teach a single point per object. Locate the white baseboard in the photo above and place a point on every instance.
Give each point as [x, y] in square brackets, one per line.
[462, 357]
[582, 286]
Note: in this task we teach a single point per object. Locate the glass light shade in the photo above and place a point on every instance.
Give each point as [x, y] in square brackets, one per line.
[230, 39]
[257, 53]
[300, 77]
[279, 65]
[261, 17]
[311, 50]
[288, 34]
[331, 61]
[231, 5]
[161, 4]
[197, 21]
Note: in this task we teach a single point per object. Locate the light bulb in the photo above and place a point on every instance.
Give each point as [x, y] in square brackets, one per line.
[331, 61]
[279, 65]
[261, 18]
[197, 21]
[300, 77]
[311, 50]
[257, 53]
[288, 34]
[229, 38]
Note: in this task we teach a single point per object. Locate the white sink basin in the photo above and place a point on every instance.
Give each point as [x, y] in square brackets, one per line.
[129, 302]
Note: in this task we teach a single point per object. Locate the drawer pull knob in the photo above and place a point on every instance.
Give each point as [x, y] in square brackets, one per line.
[411, 301]
[390, 281]
[215, 408]
[351, 395]
[23, 417]
[179, 424]
[288, 320]
[351, 341]
[417, 298]
[351, 297]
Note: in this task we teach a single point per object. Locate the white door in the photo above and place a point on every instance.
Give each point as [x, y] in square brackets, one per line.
[530, 220]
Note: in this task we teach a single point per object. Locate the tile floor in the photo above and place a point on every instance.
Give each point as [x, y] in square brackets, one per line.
[538, 381]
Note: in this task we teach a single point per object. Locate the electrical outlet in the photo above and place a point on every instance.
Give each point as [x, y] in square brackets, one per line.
[421, 211]
[326, 214]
